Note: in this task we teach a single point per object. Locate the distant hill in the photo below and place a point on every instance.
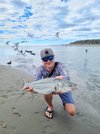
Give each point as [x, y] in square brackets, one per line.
[91, 41]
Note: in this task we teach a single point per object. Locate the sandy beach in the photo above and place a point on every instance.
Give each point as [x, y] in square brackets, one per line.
[23, 113]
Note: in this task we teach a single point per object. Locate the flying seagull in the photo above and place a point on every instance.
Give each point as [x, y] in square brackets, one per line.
[30, 35]
[57, 34]
[7, 43]
[23, 41]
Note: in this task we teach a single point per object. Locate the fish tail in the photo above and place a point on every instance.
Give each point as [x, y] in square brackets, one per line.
[24, 84]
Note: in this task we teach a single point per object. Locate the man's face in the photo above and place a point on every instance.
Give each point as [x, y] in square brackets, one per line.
[48, 61]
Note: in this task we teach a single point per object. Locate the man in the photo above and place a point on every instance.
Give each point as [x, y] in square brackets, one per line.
[50, 68]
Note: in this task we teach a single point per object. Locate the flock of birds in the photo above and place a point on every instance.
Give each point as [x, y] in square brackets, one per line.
[16, 48]
[23, 52]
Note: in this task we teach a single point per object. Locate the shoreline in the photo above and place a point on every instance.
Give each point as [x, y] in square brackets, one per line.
[87, 45]
[24, 114]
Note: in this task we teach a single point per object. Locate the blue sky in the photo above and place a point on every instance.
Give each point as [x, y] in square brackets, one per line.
[49, 21]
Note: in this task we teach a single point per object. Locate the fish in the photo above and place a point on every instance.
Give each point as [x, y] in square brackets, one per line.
[50, 85]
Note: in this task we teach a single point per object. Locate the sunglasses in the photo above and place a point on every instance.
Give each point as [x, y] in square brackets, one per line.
[45, 59]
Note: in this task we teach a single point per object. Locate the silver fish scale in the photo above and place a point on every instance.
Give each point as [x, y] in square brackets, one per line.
[49, 85]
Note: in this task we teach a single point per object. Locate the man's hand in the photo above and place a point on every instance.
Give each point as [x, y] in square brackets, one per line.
[29, 89]
[59, 77]
[57, 92]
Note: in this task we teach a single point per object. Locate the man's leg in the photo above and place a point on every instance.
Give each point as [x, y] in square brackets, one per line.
[48, 98]
[70, 108]
[68, 103]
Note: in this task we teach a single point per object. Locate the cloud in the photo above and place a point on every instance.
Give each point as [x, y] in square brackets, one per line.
[73, 19]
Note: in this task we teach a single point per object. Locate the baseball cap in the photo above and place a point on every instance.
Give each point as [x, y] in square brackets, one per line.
[46, 52]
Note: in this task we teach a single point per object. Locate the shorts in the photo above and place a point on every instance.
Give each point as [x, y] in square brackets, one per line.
[67, 98]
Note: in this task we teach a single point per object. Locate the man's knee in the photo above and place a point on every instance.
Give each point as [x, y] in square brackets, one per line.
[70, 108]
[71, 112]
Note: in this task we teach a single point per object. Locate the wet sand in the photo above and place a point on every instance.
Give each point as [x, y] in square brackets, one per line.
[23, 113]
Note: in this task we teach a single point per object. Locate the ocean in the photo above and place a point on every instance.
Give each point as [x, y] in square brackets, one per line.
[86, 63]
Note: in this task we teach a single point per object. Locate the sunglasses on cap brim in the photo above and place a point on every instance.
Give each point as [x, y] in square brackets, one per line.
[45, 59]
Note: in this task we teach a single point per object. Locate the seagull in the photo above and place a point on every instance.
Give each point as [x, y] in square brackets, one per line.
[23, 53]
[86, 50]
[9, 63]
[7, 43]
[32, 53]
[23, 41]
[29, 51]
[16, 45]
[57, 34]
[30, 35]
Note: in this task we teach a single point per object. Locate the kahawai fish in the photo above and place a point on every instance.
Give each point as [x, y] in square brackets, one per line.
[49, 85]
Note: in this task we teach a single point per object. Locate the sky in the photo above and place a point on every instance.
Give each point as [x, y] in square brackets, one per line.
[49, 21]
